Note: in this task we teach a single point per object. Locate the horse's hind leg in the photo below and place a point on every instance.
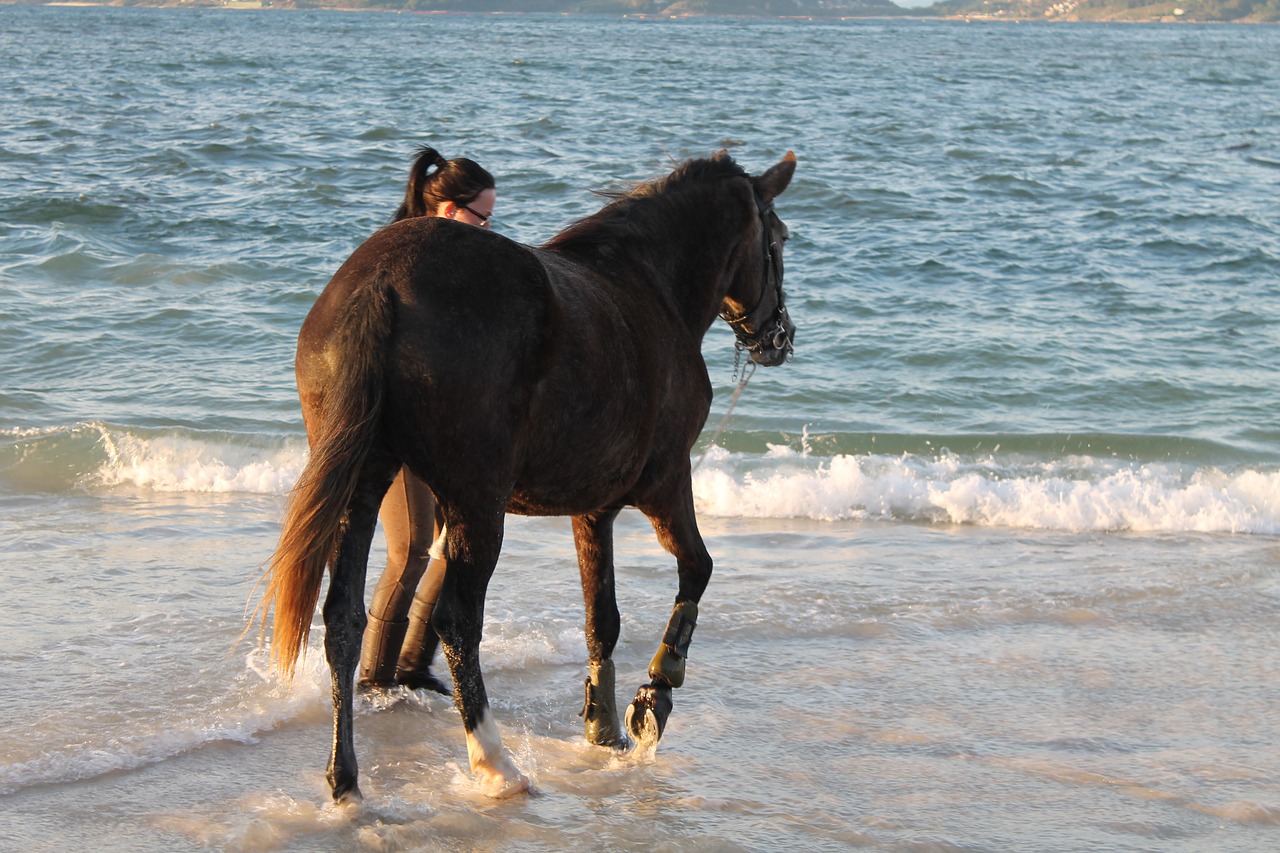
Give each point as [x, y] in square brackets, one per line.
[593, 535]
[471, 551]
[678, 532]
[344, 623]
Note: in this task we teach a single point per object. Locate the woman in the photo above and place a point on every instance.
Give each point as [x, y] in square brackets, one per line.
[399, 641]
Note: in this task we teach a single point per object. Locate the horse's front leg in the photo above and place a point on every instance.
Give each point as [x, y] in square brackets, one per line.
[344, 623]
[677, 530]
[471, 552]
[593, 536]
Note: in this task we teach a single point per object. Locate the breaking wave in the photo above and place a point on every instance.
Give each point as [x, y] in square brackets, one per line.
[1072, 491]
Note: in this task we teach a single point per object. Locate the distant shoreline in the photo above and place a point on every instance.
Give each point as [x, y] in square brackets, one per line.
[270, 6]
[923, 13]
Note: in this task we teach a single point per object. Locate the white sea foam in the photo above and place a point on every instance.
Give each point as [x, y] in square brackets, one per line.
[1073, 493]
[182, 463]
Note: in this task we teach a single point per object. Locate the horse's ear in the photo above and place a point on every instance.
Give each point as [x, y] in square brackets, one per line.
[722, 154]
[773, 182]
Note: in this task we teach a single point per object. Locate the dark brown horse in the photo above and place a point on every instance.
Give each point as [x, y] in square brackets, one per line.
[561, 380]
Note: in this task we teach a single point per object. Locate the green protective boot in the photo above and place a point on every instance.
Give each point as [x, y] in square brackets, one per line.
[600, 710]
[382, 641]
[668, 665]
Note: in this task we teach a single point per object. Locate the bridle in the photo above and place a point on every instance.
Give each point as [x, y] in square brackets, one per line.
[775, 334]
[750, 335]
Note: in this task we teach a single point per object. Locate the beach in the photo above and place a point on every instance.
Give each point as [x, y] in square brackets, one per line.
[996, 563]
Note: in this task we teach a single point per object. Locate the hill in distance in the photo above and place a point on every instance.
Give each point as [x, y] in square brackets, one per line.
[1135, 11]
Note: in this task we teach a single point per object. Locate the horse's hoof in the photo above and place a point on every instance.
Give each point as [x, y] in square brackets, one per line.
[348, 795]
[643, 727]
[647, 714]
[502, 784]
[492, 768]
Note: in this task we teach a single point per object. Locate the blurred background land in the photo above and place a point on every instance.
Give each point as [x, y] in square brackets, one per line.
[1132, 11]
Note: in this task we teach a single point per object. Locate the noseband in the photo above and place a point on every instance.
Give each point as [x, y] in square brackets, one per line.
[752, 336]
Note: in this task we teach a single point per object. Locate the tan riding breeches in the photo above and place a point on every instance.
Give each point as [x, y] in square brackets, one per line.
[408, 516]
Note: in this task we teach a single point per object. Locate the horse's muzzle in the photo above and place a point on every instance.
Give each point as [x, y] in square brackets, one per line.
[776, 344]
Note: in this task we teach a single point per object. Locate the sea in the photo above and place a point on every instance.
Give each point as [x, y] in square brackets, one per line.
[997, 553]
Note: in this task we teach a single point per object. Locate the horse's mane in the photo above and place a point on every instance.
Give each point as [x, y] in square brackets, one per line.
[618, 219]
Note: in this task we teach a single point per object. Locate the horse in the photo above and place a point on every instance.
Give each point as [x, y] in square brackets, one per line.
[564, 379]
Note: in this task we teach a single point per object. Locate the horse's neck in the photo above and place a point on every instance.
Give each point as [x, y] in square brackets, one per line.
[680, 263]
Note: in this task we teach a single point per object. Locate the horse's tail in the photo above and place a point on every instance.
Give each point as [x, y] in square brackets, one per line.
[345, 428]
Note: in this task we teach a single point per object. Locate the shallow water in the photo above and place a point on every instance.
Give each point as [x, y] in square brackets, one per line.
[996, 554]
[855, 684]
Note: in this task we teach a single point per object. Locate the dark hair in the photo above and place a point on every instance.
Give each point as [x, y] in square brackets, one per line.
[459, 180]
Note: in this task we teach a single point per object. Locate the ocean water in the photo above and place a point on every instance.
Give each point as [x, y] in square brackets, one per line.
[997, 555]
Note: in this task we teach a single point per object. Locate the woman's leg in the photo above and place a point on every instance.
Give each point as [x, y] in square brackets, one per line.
[414, 669]
[408, 518]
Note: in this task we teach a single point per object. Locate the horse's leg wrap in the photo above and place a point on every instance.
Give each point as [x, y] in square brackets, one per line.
[667, 665]
[600, 710]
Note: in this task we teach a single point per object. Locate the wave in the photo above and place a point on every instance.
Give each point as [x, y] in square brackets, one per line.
[1074, 493]
[1062, 483]
[92, 456]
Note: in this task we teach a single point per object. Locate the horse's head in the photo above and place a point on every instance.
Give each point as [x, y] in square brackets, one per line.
[755, 306]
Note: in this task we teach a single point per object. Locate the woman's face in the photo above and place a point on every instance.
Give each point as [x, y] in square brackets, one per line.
[476, 212]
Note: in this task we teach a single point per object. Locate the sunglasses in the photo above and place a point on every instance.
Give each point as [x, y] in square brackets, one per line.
[483, 217]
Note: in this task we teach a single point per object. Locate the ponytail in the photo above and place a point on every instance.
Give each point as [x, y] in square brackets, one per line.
[460, 181]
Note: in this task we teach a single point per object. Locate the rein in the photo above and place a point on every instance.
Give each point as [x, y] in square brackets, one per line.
[724, 419]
